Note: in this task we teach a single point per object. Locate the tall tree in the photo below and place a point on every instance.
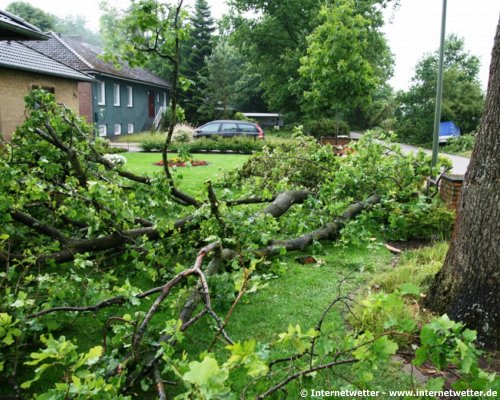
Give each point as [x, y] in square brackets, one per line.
[33, 15]
[223, 71]
[194, 54]
[463, 98]
[274, 44]
[150, 28]
[341, 69]
[276, 41]
[466, 288]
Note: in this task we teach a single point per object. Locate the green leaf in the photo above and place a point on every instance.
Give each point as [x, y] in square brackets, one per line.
[93, 355]
[200, 372]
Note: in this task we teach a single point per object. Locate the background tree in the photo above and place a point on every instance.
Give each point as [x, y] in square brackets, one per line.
[276, 41]
[463, 99]
[274, 44]
[194, 54]
[223, 71]
[33, 15]
[466, 288]
[76, 25]
[151, 29]
[341, 69]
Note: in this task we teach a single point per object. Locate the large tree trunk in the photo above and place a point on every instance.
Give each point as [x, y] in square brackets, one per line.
[468, 286]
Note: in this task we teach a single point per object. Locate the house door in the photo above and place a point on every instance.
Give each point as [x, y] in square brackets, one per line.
[151, 105]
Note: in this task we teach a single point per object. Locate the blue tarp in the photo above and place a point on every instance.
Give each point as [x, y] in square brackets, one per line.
[448, 129]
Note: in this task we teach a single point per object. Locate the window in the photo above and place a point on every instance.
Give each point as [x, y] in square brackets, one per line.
[247, 128]
[164, 99]
[116, 95]
[118, 129]
[101, 93]
[130, 97]
[210, 128]
[48, 89]
[130, 128]
[103, 130]
[229, 128]
[157, 97]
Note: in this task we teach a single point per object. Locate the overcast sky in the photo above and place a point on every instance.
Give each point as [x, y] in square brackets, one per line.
[414, 29]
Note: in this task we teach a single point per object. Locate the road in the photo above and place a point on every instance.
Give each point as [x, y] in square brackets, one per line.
[460, 163]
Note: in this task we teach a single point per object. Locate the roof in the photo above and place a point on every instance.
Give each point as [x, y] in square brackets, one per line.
[86, 58]
[18, 56]
[261, 115]
[13, 27]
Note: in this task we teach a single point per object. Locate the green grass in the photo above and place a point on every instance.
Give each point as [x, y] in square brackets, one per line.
[192, 178]
[415, 266]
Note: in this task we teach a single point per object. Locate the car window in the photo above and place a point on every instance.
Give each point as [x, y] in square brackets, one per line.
[247, 128]
[229, 127]
[210, 128]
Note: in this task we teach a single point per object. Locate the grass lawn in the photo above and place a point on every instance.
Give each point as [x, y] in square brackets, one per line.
[192, 178]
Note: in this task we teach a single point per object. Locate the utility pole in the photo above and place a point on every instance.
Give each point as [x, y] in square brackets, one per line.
[439, 90]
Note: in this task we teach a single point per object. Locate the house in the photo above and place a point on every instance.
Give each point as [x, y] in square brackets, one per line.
[14, 28]
[120, 100]
[21, 70]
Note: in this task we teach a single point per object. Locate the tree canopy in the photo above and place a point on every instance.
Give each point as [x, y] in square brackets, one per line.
[463, 97]
[342, 66]
[34, 15]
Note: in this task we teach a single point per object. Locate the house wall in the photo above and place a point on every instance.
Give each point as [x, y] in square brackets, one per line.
[110, 115]
[15, 85]
[85, 96]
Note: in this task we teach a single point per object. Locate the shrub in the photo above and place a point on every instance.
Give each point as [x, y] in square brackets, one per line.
[115, 150]
[167, 116]
[325, 127]
[460, 144]
[240, 145]
[183, 133]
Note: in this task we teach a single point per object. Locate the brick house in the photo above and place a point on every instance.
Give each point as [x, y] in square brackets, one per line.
[119, 100]
[21, 70]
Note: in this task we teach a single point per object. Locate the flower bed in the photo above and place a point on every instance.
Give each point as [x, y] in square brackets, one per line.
[177, 162]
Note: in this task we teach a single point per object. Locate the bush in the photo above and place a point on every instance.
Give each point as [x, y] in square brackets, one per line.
[460, 144]
[167, 116]
[325, 127]
[115, 150]
[240, 145]
[183, 133]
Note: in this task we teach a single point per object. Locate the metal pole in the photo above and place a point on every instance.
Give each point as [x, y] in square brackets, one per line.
[439, 90]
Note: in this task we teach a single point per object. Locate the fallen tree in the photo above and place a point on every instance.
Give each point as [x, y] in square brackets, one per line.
[78, 229]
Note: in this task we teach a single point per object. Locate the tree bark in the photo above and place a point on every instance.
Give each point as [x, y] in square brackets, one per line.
[468, 286]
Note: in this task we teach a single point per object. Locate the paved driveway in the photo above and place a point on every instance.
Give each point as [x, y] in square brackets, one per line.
[459, 163]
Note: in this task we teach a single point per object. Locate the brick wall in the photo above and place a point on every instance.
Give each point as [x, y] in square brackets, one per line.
[14, 85]
[450, 188]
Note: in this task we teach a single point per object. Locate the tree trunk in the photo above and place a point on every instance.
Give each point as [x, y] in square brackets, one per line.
[468, 286]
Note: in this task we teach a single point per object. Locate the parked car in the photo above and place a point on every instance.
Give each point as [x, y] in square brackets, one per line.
[229, 128]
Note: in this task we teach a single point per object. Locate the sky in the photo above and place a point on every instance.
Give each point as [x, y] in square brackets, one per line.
[413, 32]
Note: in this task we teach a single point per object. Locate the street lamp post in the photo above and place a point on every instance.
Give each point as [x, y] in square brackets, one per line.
[439, 89]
